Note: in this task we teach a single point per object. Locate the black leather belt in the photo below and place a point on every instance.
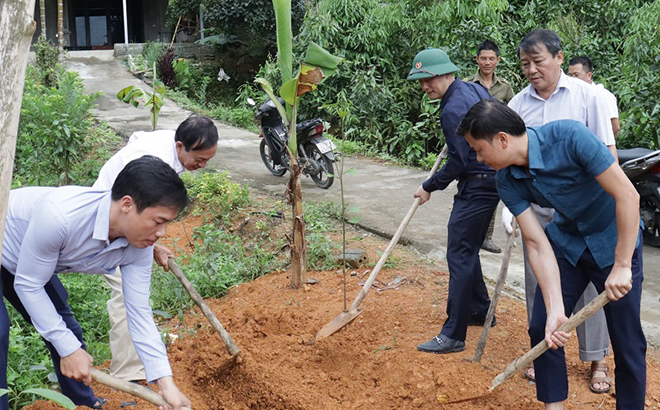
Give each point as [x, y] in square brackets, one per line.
[476, 176]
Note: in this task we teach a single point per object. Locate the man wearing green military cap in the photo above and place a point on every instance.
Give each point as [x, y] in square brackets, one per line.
[474, 203]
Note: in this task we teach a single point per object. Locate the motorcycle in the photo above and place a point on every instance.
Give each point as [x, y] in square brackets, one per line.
[315, 152]
[642, 167]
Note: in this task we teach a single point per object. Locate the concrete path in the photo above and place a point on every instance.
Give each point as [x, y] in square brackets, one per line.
[382, 192]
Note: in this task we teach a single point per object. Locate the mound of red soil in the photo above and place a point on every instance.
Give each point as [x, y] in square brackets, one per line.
[370, 364]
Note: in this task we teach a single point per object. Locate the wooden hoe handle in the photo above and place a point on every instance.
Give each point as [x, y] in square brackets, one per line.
[568, 326]
[383, 258]
[136, 390]
[197, 298]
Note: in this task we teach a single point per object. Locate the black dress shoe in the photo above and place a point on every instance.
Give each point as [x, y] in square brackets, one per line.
[441, 344]
[476, 320]
[100, 401]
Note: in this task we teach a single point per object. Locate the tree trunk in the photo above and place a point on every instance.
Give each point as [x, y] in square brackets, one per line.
[16, 28]
[42, 17]
[60, 30]
[298, 247]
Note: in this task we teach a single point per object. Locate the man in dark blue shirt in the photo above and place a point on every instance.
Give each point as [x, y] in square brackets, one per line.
[595, 237]
[474, 204]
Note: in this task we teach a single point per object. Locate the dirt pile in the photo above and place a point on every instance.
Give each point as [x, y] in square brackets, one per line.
[371, 364]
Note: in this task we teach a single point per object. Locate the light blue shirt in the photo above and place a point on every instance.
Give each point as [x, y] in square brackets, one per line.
[56, 230]
[564, 158]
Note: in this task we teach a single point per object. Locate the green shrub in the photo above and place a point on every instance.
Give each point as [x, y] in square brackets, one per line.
[243, 31]
[46, 61]
[214, 190]
[28, 362]
[53, 125]
[152, 53]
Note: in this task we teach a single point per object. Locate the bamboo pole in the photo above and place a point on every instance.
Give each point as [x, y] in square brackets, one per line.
[60, 30]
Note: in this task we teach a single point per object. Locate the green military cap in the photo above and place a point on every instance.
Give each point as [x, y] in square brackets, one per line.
[429, 63]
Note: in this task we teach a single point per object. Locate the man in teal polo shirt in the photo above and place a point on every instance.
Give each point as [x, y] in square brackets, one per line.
[595, 237]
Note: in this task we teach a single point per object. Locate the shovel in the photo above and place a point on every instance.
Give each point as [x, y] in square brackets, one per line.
[136, 390]
[481, 346]
[345, 318]
[233, 350]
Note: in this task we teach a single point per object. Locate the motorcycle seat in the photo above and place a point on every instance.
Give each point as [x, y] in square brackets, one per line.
[626, 155]
[303, 125]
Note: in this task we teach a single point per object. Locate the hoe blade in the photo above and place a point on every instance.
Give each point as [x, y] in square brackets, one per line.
[337, 323]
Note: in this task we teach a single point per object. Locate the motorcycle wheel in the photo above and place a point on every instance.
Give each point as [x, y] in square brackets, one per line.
[323, 179]
[264, 150]
[651, 224]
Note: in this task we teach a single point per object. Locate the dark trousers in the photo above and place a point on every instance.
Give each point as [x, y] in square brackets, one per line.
[623, 323]
[473, 208]
[76, 391]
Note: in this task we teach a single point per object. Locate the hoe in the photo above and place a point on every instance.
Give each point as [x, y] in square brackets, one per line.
[347, 317]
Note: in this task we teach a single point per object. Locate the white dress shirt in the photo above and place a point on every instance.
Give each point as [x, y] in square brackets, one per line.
[56, 230]
[157, 143]
[610, 100]
[573, 99]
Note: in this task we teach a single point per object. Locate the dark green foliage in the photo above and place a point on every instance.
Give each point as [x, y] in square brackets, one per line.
[379, 40]
[53, 126]
[243, 31]
[192, 78]
[639, 83]
[28, 362]
[46, 61]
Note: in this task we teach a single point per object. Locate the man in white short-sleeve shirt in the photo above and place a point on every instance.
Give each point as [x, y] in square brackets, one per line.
[189, 148]
[583, 69]
[50, 231]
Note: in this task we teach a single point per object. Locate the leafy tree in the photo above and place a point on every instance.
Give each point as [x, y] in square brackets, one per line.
[379, 40]
[639, 85]
[243, 31]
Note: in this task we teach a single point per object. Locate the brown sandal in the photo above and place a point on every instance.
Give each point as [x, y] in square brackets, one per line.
[600, 367]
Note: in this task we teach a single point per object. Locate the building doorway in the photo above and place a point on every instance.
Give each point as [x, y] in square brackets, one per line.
[98, 24]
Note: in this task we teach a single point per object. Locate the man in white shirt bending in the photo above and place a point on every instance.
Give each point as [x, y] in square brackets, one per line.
[189, 148]
[50, 231]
